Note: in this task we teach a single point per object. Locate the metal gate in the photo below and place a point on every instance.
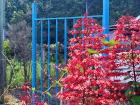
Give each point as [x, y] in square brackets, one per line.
[42, 30]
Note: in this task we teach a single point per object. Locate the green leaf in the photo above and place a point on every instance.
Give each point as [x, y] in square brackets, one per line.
[49, 94]
[128, 77]
[58, 83]
[110, 42]
[81, 70]
[33, 90]
[104, 41]
[91, 51]
[127, 93]
[113, 42]
[65, 70]
[136, 100]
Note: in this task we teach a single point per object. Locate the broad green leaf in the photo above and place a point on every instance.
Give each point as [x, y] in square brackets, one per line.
[91, 51]
[110, 42]
[113, 42]
[104, 41]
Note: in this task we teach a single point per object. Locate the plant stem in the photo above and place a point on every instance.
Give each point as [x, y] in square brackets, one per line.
[133, 65]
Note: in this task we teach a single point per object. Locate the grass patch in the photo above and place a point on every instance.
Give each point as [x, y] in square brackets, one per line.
[135, 100]
[18, 77]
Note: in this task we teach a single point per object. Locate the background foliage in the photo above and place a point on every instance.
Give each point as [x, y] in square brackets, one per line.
[18, 21]
[17, 10]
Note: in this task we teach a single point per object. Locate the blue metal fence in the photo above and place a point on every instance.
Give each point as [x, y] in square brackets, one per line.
[46, 22]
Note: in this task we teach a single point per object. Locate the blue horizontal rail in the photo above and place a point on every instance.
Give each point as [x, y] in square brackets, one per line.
[62, 18]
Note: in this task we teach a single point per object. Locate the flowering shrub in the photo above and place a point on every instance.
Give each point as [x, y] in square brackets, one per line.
[96, 65]
[128, 34]
[89, 69]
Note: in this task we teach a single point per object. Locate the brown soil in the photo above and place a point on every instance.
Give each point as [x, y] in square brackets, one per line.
[11, 100]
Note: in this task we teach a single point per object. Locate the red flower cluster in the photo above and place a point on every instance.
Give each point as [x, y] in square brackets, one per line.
[89, 80]
[26, 97]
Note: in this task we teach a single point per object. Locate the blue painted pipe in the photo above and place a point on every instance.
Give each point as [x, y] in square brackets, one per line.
[41, 60]
[34, 16]
[105, 19]
[56, 59]
[63, 18]
[65, 41]
[49, 71]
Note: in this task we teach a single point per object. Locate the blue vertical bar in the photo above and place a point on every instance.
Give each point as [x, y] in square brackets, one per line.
[56, 58]
[34, 16]
[83, 26]
[86, 6]
[41, 59]
[49, 72]
[74, 21]
[65, 40]
[106, 16]
[105, 19]
[93, 34]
